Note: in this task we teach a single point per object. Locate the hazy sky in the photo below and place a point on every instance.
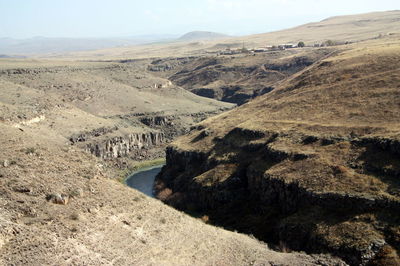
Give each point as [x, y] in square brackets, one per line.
[115, 18]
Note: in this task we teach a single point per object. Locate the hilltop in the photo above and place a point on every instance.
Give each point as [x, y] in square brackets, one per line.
[237, 75]
[202, 35]
[351, 28]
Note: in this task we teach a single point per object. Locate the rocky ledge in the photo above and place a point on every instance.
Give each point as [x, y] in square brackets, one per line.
[281, 188]
[122, 146]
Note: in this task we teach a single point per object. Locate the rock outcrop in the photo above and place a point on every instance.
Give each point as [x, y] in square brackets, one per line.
[224, 188]
[313, 165]
[169, 64]
[123, 146]
[67, 210]
[155, 121]
[85, 136]
[237, 80]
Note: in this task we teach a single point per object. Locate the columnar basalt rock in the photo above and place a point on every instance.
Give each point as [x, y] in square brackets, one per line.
[123, 145]
[155, 121]
[195, 181]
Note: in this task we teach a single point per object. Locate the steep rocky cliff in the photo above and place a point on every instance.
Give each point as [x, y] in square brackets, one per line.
[124, 146]
[147, 141]
[60, 206]
[314, 165]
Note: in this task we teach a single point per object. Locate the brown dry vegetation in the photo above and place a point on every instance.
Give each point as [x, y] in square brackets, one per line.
[237, 79]
[60, 205]
[104, 222]
[316, 160]
[97, 100]
[325, 139]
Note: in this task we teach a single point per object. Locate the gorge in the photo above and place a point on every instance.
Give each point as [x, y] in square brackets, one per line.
[274, 154]
[303, 167]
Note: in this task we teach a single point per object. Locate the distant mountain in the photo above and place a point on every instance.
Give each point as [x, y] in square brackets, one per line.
[44, 45]
[11, 56]
[202, 35]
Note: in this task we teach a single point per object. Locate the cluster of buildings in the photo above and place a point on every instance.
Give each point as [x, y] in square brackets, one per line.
[275, 47]
[284, 46]
[259, 49]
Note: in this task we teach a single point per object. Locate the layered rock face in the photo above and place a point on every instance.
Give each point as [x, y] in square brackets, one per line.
[124, 146]
[282, 194]
[68, 211]
[117, 142]
[305, 167]
[155, 121]
[110, 143]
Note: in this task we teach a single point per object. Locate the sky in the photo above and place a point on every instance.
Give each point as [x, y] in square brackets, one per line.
[124, 18]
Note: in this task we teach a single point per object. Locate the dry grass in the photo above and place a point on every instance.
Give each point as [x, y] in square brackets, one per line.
[322, 99]
[354, 92]
[349, 96]
[102, 226]
[322, 102]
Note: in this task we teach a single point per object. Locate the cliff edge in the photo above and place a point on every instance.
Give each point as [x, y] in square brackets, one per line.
[313, 165]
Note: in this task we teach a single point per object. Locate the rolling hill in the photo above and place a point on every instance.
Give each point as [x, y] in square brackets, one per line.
[352, 28]
[202, 36]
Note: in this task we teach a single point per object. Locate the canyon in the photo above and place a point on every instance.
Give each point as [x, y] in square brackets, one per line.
[70, 132]
[278, 157]
[312, 166]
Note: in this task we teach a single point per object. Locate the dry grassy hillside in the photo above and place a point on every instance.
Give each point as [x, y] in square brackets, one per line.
[312, 165]
[104, 89]
[351, 28]
[59, 206]
[240, 78]
[113, 109]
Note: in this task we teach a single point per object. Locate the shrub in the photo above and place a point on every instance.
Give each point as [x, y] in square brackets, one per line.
[301, 44]
[30, 150]
[330, 43]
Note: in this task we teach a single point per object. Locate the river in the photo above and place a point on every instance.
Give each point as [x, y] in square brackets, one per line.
[143, 179]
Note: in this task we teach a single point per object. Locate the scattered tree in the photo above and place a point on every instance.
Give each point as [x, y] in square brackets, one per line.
[301, 44]
[330, 43]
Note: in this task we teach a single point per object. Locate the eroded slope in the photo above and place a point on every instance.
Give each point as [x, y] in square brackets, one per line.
[236, 79]
[112, 109]
[60, 206]
[313, 165]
